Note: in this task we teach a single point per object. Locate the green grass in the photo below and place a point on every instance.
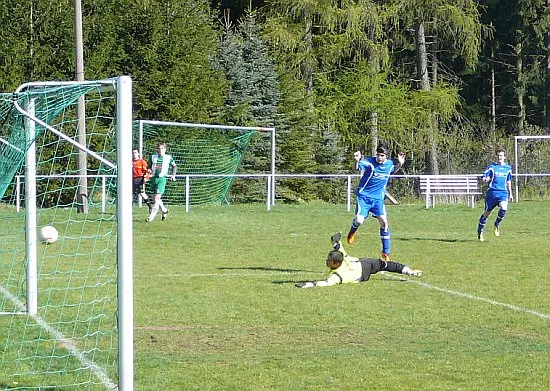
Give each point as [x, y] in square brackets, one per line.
[216, 307]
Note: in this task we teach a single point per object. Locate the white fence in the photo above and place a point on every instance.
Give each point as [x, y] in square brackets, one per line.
[271, 182]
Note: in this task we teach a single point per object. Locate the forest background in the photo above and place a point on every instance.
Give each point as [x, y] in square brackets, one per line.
[448, 82]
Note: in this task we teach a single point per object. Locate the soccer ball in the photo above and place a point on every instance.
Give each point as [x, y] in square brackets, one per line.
[48, 234]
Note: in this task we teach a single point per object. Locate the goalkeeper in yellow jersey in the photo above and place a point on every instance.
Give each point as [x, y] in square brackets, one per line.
[346, 269]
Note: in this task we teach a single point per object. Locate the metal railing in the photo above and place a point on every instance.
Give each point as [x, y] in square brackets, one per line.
[271, 182]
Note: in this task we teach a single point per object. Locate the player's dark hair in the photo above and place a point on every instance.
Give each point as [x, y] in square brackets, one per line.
[336, 256]
[382, 149]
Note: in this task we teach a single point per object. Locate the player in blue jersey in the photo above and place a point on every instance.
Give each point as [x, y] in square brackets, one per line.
[375, 174]
[498, 176]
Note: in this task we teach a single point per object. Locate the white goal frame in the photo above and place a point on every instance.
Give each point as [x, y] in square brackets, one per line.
[271, 177]
[517, 139]
[123, 87]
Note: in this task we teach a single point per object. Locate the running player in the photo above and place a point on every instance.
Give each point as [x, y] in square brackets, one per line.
[160, 165]
[498, 176]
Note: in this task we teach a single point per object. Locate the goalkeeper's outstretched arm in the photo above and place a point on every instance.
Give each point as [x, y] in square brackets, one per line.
[333, 279]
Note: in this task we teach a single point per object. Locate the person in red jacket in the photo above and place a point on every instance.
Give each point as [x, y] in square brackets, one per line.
[141, 175]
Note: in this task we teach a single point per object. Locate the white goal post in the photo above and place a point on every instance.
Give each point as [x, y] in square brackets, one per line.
[47, 304]
[517, 140]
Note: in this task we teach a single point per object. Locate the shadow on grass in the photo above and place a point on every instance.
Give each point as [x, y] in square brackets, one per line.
[434, 240]
[267, 268]
[280, 282]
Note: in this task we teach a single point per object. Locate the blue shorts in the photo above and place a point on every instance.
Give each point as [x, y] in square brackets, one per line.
[493, 198]
[365, 205]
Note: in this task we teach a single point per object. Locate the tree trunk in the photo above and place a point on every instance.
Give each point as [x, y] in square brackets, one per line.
[374, 132]
[374, 63]
[424, 85]
[547, 108]
[435, 59]
[493, 93]
[308, 39]
[421, 58]
[547, 97]
[520, 90]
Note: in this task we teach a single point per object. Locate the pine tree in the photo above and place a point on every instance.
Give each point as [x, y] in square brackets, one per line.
[253, 96]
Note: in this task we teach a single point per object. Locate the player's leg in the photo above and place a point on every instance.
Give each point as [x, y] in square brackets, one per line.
[154, 209]
[361, 213]
[135, 189]
[143, 194]
[503, 207]
[355, 224]
[157, 188]
[490, 204]
[396, 267]
[146, 199]
[163, 209]
[379, 211]
[368, 267]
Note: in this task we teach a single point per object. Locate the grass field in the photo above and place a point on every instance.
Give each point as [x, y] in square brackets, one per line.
[216, 307]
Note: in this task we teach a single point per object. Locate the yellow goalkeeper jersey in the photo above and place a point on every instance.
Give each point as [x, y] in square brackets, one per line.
[350, 271]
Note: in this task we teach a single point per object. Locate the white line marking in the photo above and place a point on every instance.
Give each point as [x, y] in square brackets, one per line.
[68, 343]
[272, 274]
[472, 297]
[423, 284]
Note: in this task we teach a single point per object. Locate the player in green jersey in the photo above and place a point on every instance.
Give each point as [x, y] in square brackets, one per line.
[159, 165]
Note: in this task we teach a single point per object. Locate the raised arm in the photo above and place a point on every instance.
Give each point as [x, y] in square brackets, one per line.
[357, 156]
[400, 161]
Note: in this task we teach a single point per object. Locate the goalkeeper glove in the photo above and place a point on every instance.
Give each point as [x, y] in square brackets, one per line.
[336, 240]
[308, 284]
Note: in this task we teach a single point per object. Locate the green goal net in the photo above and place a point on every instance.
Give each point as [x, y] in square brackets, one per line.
[531, 165]
[208, 157]
[59, 301]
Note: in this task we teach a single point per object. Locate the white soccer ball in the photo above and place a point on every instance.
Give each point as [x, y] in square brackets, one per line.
[48, 234]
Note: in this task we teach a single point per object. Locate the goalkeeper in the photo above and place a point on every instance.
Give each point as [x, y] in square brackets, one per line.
[346, 269]
[141, 175]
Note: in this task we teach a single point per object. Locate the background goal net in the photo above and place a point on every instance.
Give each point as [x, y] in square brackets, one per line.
[532, 166]
[60, 314]
[207, 156]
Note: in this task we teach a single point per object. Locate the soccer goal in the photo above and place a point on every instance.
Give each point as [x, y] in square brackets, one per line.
[66, 301]
[532, 165]
[208, 158]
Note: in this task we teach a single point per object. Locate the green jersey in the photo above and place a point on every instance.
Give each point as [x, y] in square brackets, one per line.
[160, 165]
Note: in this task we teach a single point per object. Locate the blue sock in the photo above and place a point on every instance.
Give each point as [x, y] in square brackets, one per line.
[354, 227]
[500, 216]
[481, 225]
[385, 237]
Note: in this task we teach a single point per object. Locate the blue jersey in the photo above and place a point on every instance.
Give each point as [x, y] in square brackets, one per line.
[375, 177]
[499, 174]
